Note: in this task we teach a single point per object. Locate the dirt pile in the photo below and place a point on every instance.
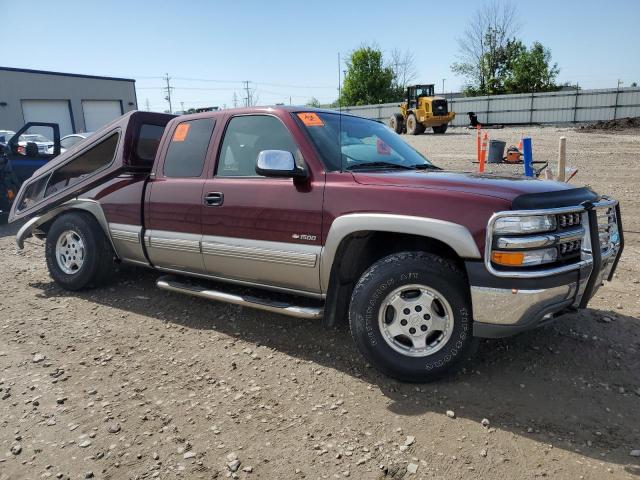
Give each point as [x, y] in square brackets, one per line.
[612, 125]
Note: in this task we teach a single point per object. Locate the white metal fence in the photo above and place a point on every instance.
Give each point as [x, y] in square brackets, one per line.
[566, 106]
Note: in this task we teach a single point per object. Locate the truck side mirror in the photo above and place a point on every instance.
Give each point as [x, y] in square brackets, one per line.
[278, 163]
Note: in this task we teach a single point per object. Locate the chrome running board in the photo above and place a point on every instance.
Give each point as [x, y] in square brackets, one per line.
[174, 284]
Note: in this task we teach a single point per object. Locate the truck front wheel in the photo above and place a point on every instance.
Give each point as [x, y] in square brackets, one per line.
[413, 126]
[410, 316]
[77, 251]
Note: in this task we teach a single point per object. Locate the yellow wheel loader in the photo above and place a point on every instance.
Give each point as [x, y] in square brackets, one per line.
[421, 110]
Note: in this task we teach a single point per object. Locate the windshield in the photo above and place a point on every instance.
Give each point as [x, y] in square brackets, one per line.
[425, 91]
[362, 143]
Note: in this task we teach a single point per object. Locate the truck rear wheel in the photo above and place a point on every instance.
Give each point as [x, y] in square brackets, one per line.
[440, 129]
[395, 123]
[410, 316]
[413, 126]
[77, 251]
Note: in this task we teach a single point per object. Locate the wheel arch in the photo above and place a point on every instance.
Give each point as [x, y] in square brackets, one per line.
[355, 241]
[39, 226]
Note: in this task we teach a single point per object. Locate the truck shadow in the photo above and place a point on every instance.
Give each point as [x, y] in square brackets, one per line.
[573, 384]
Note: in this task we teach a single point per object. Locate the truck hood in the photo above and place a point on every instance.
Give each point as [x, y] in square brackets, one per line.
[504, 187]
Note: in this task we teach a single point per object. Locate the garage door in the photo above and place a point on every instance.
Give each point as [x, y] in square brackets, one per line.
[55, 111]
[98, 113]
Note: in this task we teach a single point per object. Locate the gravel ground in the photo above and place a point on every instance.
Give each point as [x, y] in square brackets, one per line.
[131, 382]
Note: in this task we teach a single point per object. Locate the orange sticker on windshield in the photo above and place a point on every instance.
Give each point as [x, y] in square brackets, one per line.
[310, 119]
[382, 148]
[181, 132]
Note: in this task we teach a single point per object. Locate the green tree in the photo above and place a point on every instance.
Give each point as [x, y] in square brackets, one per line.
[530, 70]
[483, 44]
[313, 102]
[367, 80]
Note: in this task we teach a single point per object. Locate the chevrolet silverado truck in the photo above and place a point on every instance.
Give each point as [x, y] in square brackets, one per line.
[319, 215]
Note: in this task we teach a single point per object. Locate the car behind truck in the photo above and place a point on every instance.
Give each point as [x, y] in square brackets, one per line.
[314, 214]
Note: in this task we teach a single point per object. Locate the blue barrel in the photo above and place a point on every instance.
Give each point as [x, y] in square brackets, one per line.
[527, 153]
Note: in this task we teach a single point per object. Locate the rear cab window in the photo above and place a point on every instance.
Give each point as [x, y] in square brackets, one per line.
[186, 155]
[84, 165]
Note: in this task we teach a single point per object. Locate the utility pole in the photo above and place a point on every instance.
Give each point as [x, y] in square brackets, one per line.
[182, 106]
[168, 88]
[147, 102]
[443, 86]
[248, 98]
[290, 100]
[235, 100]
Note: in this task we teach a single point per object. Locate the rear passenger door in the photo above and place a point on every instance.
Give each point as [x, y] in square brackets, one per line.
[258, 230]
[173, 213]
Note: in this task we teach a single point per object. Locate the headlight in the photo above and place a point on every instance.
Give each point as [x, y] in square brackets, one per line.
[525, 224]
[524, 259]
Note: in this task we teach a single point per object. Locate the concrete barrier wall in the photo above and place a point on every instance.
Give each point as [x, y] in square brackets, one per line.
[566, 106]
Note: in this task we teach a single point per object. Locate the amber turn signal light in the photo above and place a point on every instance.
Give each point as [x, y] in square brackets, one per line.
[509, 259]
[10, 194]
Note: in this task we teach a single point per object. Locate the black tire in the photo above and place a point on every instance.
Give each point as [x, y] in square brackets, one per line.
[413, 127]
[383, 278]
[396, 123]
[439, 130]
[98, 259]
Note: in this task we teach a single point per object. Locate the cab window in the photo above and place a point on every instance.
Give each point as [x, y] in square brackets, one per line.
[246, 136]
[188, 148]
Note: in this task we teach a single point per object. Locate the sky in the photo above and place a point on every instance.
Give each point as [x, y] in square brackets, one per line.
[288, 50]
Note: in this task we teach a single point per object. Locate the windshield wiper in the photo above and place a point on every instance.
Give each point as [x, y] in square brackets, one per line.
[425, 166]
[365, 165]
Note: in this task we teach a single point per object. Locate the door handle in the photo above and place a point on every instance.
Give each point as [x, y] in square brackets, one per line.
[214, 199]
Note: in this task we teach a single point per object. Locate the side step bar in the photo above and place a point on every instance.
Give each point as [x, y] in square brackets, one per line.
[173, 284]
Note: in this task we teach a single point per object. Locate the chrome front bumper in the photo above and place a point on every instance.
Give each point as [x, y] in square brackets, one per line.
[500, 311]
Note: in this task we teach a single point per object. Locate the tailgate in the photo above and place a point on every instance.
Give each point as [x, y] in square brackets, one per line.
[128, 144]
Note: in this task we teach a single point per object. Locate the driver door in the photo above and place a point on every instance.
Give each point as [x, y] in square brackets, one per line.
[258, 230]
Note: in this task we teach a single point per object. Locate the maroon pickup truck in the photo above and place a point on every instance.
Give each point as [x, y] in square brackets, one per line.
[316, 215]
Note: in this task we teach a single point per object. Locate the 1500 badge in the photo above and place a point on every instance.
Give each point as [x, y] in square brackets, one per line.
[303, 237]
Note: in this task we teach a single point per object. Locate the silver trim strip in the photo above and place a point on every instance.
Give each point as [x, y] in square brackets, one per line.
[124, 235]
[537, 241]
[253, 302]
[192, 246]
[260, 254]
[246, 283]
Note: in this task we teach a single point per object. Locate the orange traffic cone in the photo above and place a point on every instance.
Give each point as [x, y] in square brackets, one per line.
[483, 151]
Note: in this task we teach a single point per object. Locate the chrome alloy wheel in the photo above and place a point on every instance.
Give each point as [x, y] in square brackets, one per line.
[415, 320]
[70, 252]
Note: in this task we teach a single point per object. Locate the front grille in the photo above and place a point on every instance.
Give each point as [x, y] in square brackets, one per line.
[568, 220]
[439, 107]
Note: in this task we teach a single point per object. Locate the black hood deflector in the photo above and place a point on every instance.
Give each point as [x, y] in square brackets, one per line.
[557, 199]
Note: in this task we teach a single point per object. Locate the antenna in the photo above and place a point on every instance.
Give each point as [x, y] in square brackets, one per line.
[340, 113]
